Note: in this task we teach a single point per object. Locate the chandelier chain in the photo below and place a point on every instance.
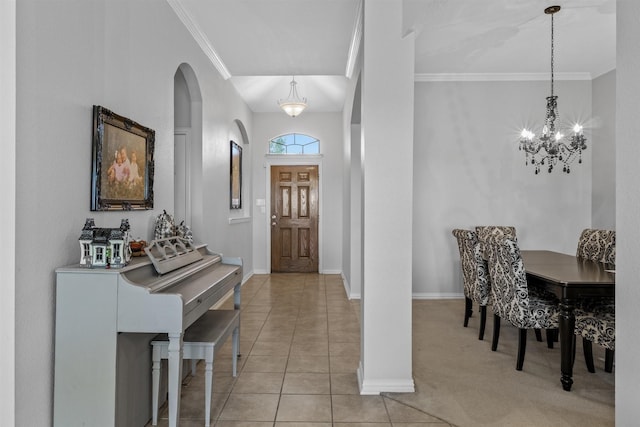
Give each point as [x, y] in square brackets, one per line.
[551, 54]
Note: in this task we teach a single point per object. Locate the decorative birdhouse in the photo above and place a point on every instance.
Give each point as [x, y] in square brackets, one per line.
[105, 247]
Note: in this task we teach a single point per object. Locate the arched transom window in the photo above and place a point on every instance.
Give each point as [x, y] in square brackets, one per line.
[294, 143]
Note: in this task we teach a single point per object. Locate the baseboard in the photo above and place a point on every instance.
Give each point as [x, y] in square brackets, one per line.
[347, 288]
[438, 295]
[369, 387]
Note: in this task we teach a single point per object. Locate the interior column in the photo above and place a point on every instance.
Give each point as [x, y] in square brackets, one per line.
[387, 153]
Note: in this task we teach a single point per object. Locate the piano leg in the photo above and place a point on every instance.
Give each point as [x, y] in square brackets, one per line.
[155, 388]
[174, 374]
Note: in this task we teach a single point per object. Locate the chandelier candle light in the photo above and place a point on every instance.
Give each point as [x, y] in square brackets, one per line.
[293, 105]
[550, 147]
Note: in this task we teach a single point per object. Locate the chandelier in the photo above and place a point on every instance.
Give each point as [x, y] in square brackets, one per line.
[293, 105]
[551, 147]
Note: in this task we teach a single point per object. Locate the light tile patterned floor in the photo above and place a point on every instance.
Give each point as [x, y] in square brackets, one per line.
[300, 343]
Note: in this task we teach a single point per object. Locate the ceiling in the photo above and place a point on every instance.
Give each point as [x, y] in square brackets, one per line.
[262, 43]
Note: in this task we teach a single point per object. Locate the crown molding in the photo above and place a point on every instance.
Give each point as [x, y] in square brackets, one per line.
[199, 37]
[497, 77]
[354, 47]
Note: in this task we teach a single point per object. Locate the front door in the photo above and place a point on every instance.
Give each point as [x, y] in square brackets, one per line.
[294, 219]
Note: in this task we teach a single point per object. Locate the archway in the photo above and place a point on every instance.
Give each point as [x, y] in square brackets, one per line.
[187, 148]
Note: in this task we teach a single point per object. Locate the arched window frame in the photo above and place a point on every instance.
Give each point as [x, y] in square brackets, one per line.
[294, 144]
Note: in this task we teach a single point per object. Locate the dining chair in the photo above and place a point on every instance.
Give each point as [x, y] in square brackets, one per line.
[511, 299]
[487, 232]
[475, 278]
[595, 317]
[597, 245]
[597, 325]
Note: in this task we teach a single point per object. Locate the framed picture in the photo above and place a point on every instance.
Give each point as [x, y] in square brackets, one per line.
[236, 176]
[122, 167]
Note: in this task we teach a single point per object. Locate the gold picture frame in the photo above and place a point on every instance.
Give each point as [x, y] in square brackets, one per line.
[122, 164]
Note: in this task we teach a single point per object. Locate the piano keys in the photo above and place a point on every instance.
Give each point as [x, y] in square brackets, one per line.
[97, 310]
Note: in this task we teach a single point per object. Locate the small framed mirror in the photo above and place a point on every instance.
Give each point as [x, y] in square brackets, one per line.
[236, 176]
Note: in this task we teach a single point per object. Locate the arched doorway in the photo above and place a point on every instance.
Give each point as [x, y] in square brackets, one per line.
[187, 147]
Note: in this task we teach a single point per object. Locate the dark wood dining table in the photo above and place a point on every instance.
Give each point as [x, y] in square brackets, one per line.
[569, 278]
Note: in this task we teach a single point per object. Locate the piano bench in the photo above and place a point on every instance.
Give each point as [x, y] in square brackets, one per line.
[199, 343]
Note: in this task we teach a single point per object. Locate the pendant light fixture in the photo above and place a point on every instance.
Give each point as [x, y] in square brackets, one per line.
[550, 147]
[293, 105]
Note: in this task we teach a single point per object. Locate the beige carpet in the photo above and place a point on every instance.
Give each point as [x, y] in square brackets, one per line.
[459, 379]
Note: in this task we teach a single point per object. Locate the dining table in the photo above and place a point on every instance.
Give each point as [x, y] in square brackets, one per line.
[570, 278]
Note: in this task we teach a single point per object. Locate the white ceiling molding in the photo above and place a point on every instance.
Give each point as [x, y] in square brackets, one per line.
[199, 37]
[498, 77]
[356, 38]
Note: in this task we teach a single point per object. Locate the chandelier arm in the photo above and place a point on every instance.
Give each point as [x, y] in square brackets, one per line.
[529, 150]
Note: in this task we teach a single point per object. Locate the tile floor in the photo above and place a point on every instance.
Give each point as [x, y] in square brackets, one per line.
[300, 344]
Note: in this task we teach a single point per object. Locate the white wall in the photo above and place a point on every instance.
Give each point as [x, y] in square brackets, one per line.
[8, 216]
[468, 171]
[627, 208]
[327, 127]
[603, 152]
[123, 56]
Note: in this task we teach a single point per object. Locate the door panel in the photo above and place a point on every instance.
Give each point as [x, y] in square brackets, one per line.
[294, 218]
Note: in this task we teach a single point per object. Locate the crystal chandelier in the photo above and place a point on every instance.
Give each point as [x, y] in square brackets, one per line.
[293, 105]
[551, 146]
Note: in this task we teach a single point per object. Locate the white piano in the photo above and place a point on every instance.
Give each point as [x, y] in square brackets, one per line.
[105, 319]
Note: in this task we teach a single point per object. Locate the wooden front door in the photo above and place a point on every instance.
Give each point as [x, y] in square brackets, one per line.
[294, 219]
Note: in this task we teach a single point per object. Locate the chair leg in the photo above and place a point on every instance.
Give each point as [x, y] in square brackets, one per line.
[467, 310]
[588, 355]
[608, 360]
[538, 335]
[522, 347]
[496, 332]
[483, 321]
[551, 333]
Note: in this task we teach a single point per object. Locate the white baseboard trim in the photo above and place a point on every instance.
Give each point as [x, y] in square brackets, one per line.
[347, 288]
[331, 272]
[261, 272]
[438, 295]
[368, 387]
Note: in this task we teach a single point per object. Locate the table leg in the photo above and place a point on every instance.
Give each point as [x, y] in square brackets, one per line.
[567, 323]
[174, 375]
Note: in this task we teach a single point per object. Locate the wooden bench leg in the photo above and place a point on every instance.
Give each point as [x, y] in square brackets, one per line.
[175, 376]
[236, 349]
[208, 384]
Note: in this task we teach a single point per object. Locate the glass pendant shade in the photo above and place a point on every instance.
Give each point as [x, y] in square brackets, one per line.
[293, 105]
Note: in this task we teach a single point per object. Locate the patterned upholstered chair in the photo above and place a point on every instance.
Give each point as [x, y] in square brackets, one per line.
[597, 245]
[485, 232]
[511, 299]
[597, 325]
[474, 276]
[596, 318]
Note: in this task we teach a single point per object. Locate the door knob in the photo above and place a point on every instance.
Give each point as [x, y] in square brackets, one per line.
[273, 217]
[273, 223]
